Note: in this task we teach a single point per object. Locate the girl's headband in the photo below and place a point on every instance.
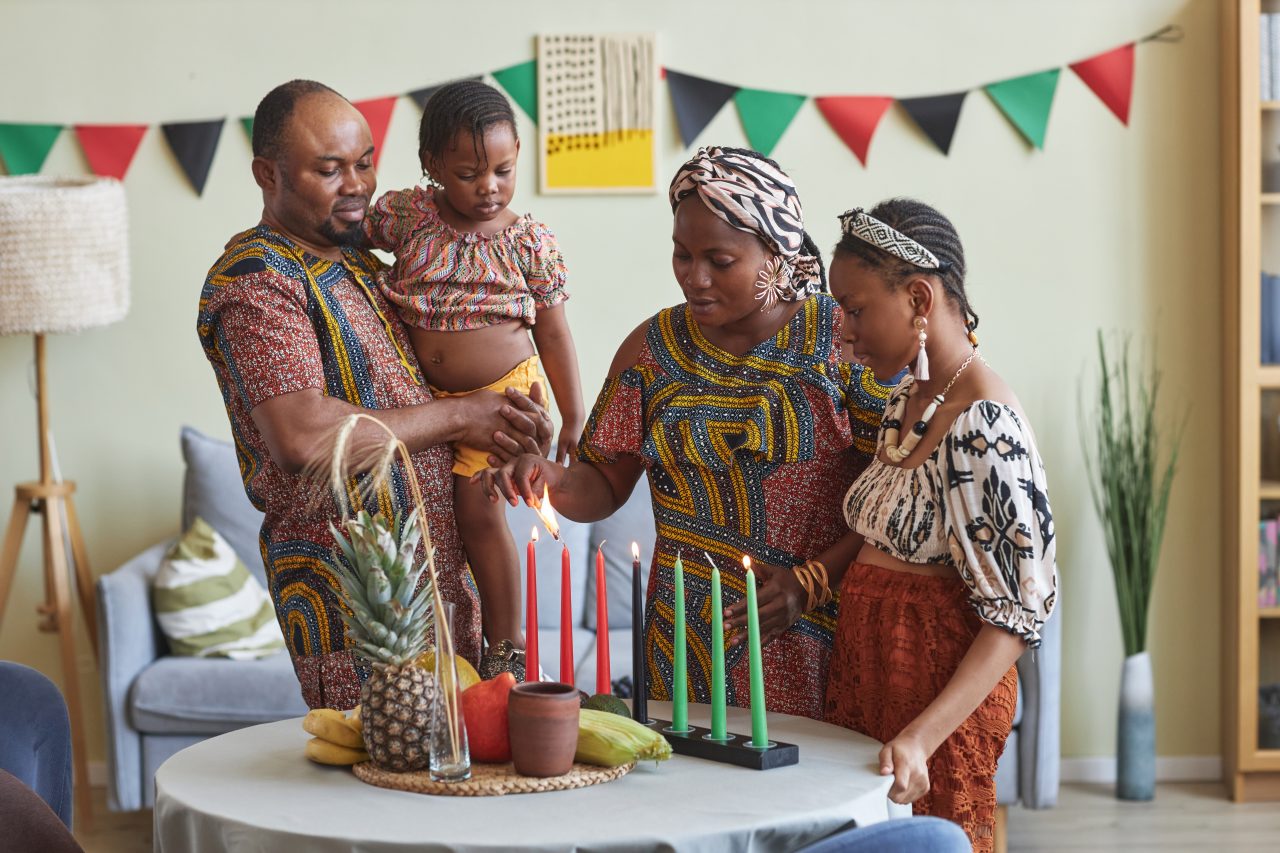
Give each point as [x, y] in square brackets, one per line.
[865, 227]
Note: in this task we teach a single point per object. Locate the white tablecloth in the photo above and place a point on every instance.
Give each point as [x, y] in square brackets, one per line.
[252, 790]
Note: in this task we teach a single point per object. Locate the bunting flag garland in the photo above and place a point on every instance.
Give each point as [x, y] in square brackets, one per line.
[766, 115]
[109, 148]
[24, 147]
[696, 101]
[421, 96]
[1026, 101]
[247, 123]
[193, 143]
[937, 116]
[854, 119]
[521, 83]
[1110, 76]
[377, 112]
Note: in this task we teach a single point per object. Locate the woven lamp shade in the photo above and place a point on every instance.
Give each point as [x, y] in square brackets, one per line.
[64, 254]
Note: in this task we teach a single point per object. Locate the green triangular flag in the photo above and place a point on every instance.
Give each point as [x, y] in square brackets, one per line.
[1025, 101]
[766, 115]
[247, 124]
[521, 83]
[23, 147]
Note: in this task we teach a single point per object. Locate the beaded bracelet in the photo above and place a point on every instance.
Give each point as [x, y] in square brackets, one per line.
[812, 576]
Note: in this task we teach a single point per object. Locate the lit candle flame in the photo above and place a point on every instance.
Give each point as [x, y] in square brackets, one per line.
[635, 552]
[533, 533]
[547, 513]
[746, 562]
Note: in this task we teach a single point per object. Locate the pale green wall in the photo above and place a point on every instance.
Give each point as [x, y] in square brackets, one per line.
[1106, 227]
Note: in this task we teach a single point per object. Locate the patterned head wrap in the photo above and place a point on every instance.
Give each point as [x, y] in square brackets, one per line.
[865, 227]
[750, 192]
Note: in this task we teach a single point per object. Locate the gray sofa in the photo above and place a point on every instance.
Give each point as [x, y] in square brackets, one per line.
[157, 703]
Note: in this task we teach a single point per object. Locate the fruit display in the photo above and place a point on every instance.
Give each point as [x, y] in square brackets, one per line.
[467, 675]
[337, 737]
[484, 711]
[611, 740]
[322, 751]
[609, 703]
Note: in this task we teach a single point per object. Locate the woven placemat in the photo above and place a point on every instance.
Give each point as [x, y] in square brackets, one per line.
[489, 780]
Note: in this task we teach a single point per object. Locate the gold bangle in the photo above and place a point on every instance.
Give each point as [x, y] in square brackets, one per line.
[812, 577]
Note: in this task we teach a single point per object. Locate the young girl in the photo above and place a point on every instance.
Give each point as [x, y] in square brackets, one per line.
[471, 279]
[956, 576]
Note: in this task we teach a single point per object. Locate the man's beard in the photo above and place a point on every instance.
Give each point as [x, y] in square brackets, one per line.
[350, 235]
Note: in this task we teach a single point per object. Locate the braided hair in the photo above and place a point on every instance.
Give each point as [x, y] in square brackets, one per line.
[274, 111]
[928, 227]
[461, 105]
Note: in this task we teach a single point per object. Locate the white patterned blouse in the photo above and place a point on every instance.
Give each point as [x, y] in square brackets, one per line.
[978, 502]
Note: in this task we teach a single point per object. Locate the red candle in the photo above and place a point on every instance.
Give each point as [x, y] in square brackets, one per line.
[603, 684]
[566, 619]
[531, 611]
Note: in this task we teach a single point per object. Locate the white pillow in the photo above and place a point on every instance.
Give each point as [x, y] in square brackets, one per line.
[207, 603]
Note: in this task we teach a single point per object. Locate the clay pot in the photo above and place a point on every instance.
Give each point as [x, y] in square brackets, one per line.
[542, 719]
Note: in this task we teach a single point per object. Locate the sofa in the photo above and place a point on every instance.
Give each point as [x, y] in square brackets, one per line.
[158, 703]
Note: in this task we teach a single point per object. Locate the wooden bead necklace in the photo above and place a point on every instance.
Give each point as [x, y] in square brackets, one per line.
[893, 419]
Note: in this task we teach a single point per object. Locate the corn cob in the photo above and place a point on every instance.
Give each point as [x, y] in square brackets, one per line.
[611, 741]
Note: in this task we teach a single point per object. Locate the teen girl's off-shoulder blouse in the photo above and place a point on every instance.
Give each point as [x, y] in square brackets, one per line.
[978, 502]
[449, 280]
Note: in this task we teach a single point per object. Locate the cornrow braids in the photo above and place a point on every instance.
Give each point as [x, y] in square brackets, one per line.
[928, 227]
[272, 115]
[461, 105]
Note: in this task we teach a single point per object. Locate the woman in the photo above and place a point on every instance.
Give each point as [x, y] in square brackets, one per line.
[737, 407]
[956, 576]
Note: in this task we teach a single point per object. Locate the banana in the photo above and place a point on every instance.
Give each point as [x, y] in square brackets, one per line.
[322, 751]
[332, 726]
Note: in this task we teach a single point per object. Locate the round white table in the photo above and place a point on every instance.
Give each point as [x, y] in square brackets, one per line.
[252, 790]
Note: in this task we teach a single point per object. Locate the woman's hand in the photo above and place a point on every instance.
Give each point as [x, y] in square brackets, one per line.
[523, 478]
[905, 758]
[780, 600]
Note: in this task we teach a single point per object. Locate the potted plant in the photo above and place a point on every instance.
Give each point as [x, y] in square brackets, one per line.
[1130, 486]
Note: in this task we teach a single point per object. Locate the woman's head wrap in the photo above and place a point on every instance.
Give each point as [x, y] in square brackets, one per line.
[749, 191]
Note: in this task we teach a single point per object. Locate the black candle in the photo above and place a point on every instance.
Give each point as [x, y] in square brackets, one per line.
[639, 692]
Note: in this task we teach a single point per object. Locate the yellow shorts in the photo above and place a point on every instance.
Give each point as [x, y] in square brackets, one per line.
[468, 460]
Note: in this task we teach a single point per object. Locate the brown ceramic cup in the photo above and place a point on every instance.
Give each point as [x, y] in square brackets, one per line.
[542, 719]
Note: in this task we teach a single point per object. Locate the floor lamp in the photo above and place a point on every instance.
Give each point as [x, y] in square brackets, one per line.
[64, 267]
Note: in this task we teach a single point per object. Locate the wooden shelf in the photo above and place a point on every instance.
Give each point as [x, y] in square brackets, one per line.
[1269, 613]
[1271, 198]
[1269, 490]
[1269, 376]
[1270, 105]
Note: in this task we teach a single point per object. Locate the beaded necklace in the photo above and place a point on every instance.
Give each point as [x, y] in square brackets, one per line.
[893, 419]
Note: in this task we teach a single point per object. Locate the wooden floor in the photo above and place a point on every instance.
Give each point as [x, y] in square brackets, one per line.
[1183, 817]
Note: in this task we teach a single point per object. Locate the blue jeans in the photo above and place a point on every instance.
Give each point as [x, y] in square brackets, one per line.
[915, 834]
[35, 738]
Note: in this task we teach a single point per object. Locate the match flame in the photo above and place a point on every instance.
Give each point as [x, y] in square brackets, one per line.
[533, 533]
[547, 513]
[635, 552]
[746, 562]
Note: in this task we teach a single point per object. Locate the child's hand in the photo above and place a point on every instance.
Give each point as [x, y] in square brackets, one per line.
[566, 448]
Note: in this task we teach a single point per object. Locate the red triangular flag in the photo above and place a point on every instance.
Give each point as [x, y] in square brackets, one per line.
[854, 119]
[109, 148]
[1110, 76]
[377, 112]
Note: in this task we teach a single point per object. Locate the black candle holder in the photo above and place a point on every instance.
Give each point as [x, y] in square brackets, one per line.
[697, 742]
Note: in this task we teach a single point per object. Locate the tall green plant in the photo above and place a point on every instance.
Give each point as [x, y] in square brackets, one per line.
[1130, 486]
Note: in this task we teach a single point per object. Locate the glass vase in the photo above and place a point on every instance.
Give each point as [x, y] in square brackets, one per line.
[450, 760]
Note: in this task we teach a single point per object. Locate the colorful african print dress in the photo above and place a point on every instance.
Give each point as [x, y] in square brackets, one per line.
[745, 455]
[274, 320]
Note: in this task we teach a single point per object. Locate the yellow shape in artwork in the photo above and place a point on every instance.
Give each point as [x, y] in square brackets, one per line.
[615, 160]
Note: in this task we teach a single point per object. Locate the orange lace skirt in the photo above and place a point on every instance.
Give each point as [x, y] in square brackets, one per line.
[898, 641]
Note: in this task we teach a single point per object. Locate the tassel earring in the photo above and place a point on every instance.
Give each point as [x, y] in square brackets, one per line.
[922, 360]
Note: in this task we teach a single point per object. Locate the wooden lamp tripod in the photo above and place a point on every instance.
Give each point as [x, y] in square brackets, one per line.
[64, 267]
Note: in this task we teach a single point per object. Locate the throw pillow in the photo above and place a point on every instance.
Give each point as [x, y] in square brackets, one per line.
[207, 603]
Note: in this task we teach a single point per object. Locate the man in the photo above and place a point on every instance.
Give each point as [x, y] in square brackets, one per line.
[299, 337]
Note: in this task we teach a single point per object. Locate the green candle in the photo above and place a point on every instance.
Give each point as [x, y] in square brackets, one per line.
[717, 657]
[679, 676]
[759, 727]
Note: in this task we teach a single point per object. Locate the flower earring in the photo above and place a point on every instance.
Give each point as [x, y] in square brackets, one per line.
[772, 282]
[922, 360]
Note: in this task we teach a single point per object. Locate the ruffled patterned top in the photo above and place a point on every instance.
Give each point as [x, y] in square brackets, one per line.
[745, 454]
[978, 502]
[448, 280]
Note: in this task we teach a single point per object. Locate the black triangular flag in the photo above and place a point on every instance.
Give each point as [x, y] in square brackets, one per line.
[421, 96]
[193, 143]
[696, 101]
[937, 116]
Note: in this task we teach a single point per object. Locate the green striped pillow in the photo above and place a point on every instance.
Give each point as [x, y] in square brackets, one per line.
[207, 603]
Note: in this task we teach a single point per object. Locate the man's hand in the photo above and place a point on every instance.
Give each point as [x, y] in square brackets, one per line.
[780, 600]
[506, 425]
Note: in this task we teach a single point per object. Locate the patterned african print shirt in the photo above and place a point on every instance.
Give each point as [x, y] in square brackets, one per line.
[451, 280]
[745, 455]
[275, 319]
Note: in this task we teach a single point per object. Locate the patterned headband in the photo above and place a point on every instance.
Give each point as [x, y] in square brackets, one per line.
[860, 224]
[754, 195]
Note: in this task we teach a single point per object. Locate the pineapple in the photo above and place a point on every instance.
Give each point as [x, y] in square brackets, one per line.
[388, 626]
